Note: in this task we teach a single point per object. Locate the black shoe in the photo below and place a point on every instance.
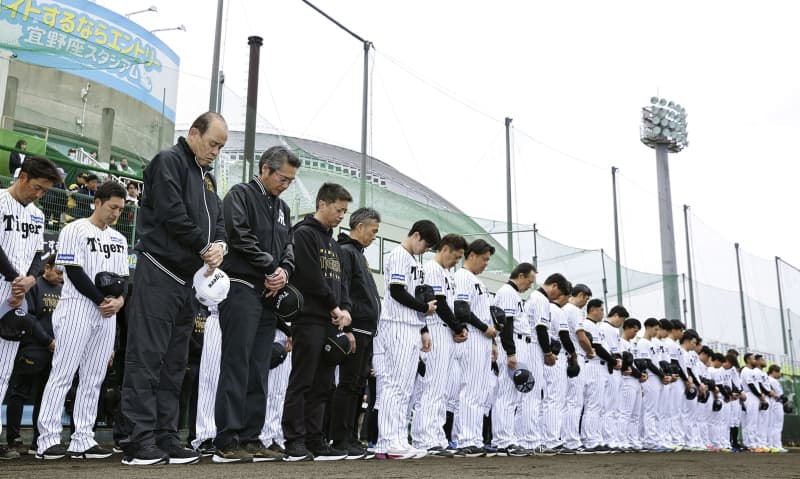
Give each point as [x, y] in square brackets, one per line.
[353, 451]
[516, 451]
[181, 455]
[95, 452]
[440, 452]
[56, 451]
[275, 447]
[146, 456]
[472, 451]
[7, 453]
[596, 450]
[233, 453]
[324, 452]
[567, 451]
[206, 448]
[297, 452]
[261, 453]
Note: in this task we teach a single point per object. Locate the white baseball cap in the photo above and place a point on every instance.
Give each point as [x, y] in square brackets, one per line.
[211, 290]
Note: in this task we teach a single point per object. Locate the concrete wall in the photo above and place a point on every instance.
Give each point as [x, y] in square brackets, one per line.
[52, 98]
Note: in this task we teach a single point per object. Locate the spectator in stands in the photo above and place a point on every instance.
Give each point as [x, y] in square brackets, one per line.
[81, 179]
[90, 187]
[63, 174]
[112, 165]
[133, 194]
[16, 158]
[124, 168]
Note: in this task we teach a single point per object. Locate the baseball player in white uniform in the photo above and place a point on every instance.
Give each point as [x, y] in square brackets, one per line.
[595, 372]
[629, 406]
[609, 334]
[676, 391]
[763, 414]
[471, 307]
[402, 333]
[775, 409]
[21, 245]
[752, 402]
[84, 325]
[508, 397]
[555, 377]
[446, 332]
[646, 356]
[687, 420]
[573, 406]
[537, 313]
[205, 426]
[663, 359]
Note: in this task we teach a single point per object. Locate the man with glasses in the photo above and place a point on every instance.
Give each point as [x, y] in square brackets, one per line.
[259, 262]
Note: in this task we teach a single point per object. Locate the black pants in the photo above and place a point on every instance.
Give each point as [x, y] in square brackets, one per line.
[24, 387]
[310, 383]
[248, 330]
[369, 428]
[353, 374]
[191, 382]
[160, 322]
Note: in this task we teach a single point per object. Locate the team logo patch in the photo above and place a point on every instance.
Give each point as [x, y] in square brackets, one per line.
[114, 239]
[209, 184]
[37, 219]
[65, 257]
[462, 297]
[437, 289]
[397, 277]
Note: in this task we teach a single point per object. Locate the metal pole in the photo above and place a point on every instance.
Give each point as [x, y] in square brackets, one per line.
[741, 296]
[685, 309]
[212, 100]
[614, 170]
[689, 265]
[780, 304]
[252, 102]
[362, 197]
[669, 265]
[791, 358]
[508, 194]
[535, 249]
[605, 281]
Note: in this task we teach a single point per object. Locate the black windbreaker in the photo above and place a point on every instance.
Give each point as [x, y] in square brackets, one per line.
[180, 214]
[257, 225]
[365, 301]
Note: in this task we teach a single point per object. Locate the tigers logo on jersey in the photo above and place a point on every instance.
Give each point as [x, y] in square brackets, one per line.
[95, 246]
[12, 223]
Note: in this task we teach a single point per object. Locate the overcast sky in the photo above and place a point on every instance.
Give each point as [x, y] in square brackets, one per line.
[572, 74]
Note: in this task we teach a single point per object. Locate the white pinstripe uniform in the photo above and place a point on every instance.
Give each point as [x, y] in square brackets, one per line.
[750, 416]
[676, 395]
[570, 428]
[475, 362]
[594, 385]
[651, 395]
[208, 377]
[612, 428]
[397, 346]
[629, 406]
[735, 413]
[528, 425]
[508, 397]
[775, 415]
[555, 379]
[278, 382]
[430, 408]
[688, 423]
[22, 238]
[763, 416]
[661, 354]
[716, 420]
[84, 339]
[454, 380]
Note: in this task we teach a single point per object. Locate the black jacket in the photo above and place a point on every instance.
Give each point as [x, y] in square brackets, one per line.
[318, 271]
[180, 214]
[257, 225]
[365, 301]
[14, 162]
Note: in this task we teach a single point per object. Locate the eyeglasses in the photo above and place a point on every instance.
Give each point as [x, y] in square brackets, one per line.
[286, 180]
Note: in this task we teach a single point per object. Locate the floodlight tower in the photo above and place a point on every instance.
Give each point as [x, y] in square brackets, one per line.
[664, 129]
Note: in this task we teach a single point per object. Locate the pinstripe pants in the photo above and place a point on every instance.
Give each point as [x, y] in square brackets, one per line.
[83, 344]
[651, 419]
[508, 397]
[528, 424]
[555, 378]
[594, 389]
[570, 428]
[475, 362]
[205, 425]
[430, 407]
[629, 409]
[276, 393]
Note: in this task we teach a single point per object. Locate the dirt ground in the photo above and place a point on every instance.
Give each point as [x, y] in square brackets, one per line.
[684, 464]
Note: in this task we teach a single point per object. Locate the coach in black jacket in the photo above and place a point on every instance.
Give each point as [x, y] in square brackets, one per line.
[259, 263]
[179, 228]
[318, 276]
[365, 311]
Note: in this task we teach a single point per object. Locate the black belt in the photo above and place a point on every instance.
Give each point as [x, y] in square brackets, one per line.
[526, 338]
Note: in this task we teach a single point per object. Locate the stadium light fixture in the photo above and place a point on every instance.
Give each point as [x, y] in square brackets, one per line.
[664, 123]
